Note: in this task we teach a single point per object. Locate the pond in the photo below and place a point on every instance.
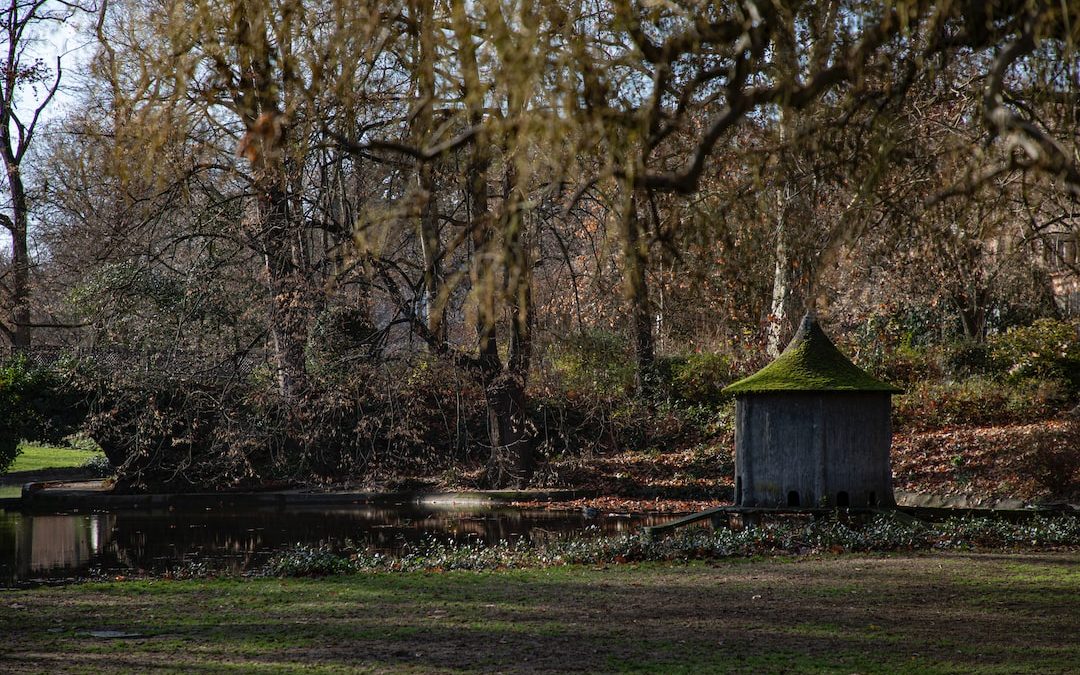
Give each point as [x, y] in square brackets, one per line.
[240, 538]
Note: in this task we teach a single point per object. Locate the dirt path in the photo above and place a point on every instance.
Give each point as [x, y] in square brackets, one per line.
[933, 613]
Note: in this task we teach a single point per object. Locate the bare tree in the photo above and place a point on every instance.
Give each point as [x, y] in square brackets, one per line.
[25, 77]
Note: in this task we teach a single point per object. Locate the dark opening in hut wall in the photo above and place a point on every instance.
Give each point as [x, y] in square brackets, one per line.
[812, 429]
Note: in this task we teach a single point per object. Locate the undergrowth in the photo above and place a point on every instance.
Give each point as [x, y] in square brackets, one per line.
[882, 533]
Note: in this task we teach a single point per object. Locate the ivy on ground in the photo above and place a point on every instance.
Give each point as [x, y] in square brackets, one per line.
[788, 537]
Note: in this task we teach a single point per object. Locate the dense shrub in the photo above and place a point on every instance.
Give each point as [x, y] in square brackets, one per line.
[695, 378]
[908, 365]
[36, 404]
[411, 418]
[978, 401]
[1024, 375]
[367, 421]
[911, 327]
[364, 421]
[362, 418]
[1053, 460]
[342, 334]
[686, 407]
[171, 434]
[968, 358]
[588, 428]
[583, 404]
[594, 364]
[99, 465]
[14, 416]
[584, 426]
[1047, 349]
[897, 348]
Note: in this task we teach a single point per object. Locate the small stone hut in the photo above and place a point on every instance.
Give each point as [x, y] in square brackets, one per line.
[812, 429]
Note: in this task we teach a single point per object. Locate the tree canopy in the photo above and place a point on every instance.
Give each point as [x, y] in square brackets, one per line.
[301, 190]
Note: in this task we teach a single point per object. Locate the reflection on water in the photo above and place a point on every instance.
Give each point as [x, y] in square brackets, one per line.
[33, 544]
[241, 538]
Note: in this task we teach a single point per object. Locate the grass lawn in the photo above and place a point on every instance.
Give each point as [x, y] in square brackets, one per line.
[38, 457]
[1004, 613]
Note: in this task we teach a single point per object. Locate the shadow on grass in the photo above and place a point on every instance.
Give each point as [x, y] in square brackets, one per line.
[870, 614]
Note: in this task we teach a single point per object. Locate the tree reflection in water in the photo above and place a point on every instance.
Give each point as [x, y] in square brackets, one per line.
[240, 538]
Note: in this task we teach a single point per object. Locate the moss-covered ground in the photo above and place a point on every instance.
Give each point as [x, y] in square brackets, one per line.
[1004, 613]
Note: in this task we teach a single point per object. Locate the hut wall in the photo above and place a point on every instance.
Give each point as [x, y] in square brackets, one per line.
[813, 449]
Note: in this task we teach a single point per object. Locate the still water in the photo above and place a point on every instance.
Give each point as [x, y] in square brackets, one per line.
[74, 545]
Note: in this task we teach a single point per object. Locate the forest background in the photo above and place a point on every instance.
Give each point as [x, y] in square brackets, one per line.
[503, 243]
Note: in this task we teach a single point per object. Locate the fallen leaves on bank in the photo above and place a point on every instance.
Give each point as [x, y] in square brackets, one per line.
[1035, 462]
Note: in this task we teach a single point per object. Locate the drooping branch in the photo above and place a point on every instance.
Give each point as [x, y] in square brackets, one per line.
[741, 100]
[1001, 121]
[423, 154]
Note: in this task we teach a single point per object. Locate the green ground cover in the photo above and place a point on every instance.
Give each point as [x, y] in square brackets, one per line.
[850, 613]
[37, 457]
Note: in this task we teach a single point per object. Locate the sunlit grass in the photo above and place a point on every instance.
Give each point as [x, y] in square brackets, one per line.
[37, 457]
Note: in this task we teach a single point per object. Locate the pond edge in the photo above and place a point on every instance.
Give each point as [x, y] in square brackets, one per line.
[40, 497]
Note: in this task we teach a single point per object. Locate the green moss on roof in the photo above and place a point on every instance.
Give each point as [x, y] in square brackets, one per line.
[811, 362]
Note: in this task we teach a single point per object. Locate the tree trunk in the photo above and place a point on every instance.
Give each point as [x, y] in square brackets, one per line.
[21, 22]
[20, 263]
[430, 243]
[788, 290]
[778, 324]
[274, 233]
[636, 255]
[288, 301]
[972, 309]
[511, 459]
[512, 440]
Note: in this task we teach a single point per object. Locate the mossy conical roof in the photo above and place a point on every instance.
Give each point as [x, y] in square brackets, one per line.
[811, 362]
